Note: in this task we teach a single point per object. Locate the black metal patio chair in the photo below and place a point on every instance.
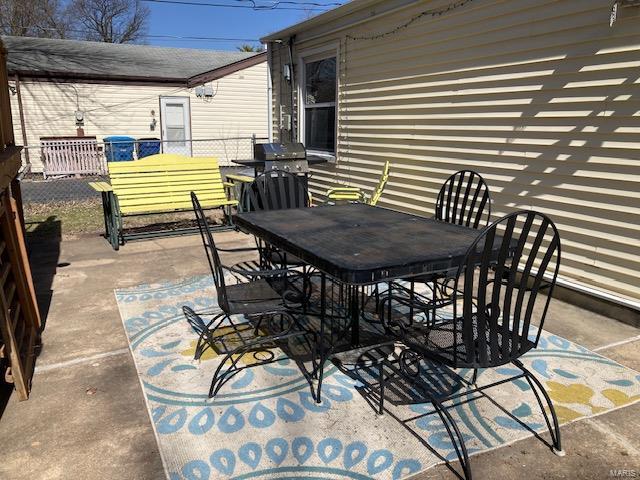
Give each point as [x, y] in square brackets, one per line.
[464, 199]
[497, 314]
[275, 190]
[262, 301]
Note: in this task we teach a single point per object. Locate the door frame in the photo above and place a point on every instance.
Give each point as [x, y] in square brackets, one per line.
[188, 131]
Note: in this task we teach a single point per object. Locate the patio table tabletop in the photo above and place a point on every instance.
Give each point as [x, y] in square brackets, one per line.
[360, 244]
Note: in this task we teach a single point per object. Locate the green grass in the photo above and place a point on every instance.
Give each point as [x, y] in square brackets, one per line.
[61, 219]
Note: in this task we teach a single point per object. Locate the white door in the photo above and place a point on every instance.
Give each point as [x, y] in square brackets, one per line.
[175, 119]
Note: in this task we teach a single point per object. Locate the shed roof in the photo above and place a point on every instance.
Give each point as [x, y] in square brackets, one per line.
[46, 57]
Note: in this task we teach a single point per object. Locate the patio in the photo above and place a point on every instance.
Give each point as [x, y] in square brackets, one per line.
[87, 418]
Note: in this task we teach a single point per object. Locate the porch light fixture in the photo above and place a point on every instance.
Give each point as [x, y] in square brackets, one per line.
[286, 72]
[154, 122]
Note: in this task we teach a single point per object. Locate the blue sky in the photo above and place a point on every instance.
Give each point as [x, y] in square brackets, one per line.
[191, 20]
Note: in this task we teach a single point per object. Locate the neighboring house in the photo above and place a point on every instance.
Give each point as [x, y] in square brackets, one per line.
[139, 91]
[540, 97]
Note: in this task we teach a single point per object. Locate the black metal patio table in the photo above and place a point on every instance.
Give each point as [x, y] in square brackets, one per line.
[359, 245]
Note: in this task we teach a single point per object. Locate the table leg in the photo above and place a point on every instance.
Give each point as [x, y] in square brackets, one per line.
[355, 316]
[321, 346]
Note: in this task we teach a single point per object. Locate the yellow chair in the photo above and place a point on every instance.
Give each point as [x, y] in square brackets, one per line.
[355, 194]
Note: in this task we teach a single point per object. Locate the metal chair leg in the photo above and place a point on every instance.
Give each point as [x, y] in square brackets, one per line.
[319, 371]
[454, 434]
[474, 378]
[381, 381]
[537, 387]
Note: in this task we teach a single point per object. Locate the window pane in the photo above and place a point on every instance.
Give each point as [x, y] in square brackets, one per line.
[320, 80]
[320, 126]
[174, 114]
[176, 134]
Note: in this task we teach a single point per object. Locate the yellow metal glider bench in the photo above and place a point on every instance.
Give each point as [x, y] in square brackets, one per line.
[160, 184]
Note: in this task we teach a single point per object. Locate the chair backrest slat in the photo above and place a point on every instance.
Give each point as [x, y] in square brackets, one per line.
[458, 198]
[384, 178]
[500, 269]
[498, 287]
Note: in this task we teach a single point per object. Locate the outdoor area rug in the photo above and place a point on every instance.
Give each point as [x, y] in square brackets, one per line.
[264, 423]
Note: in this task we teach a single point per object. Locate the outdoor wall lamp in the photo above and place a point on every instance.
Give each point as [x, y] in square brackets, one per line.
[154, 122]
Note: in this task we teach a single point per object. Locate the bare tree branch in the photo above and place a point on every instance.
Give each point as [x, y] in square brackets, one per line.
[37, 18]
[112, 21]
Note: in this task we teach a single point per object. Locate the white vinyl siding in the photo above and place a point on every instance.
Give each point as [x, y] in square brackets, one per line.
[541, 97]
[238, 109]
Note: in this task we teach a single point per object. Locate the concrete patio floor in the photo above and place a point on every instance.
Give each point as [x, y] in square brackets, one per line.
[86, 417]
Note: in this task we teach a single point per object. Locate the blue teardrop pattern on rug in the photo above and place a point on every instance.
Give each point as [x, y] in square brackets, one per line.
[202, 422]
[261, 416]
[289, 411]
[196, 470]
[250, 453]
[404, 468]
[224, 461]
[354, 453]
[308, 402]
[231, 421]
[329, 449]
[302, 449]
[379, 461]
[172, 422]
[277, 449]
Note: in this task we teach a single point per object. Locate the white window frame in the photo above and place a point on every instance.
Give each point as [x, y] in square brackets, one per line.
[327, 51]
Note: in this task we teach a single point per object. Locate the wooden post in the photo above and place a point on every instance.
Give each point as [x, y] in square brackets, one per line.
[6, 126]
[16, 193]
[19, 315]
[23, 128]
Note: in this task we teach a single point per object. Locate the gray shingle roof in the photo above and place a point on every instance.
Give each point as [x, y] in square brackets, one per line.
[52, 57]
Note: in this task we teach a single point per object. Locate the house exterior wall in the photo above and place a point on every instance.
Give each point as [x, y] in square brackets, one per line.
[541, 97]
[238, 109]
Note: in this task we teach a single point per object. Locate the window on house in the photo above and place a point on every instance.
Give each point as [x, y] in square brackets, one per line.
[319, 100]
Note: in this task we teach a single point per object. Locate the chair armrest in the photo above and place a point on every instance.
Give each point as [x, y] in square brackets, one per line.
[344, 190]
[258, 273]
[345, 193]
[239, 178]
[101, 186]
[239, 249]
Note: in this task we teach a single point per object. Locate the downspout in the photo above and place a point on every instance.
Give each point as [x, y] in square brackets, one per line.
[294, 117]
[22, 124]
[269, 94]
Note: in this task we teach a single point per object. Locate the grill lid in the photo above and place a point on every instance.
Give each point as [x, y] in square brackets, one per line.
[279, 151]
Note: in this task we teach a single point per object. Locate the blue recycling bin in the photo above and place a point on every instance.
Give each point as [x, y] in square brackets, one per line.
[148, 146]
[118, 149]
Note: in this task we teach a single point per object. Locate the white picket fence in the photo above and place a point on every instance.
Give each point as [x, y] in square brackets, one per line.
[71, 156]
[79, 156]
